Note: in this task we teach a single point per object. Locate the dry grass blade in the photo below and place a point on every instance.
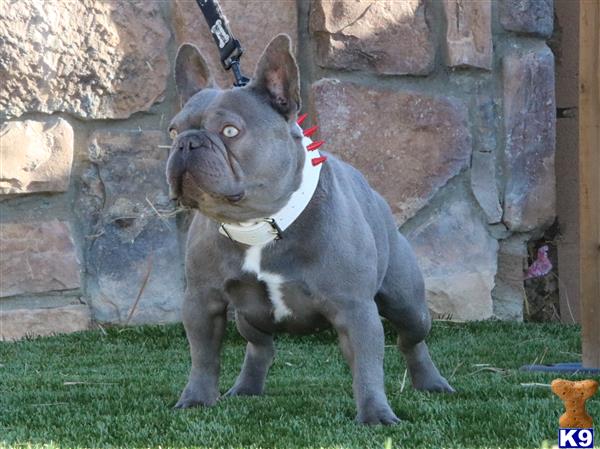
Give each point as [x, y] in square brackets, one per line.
[575, 354]
[529, 341]
[172, 212]
[162, 217]
[535, 384]
[481, 367]
[139, 295]
[543, 355]
[563, 288]
[403, 382]
[49, 404]
[540, 359]
[101, 329]
[165, 214]
[527, 307]
[458, 365]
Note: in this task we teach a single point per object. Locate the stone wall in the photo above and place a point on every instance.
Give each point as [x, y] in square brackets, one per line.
[447, 106]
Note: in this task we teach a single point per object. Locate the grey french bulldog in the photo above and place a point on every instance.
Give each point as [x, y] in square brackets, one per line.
[238, 156]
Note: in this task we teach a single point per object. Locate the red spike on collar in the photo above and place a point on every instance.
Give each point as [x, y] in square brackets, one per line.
[301, 119]
[316, 144]
[318, 160]
[310, 131]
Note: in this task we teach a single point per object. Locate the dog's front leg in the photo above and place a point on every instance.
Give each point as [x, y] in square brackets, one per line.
[362, 342]
[204, 316]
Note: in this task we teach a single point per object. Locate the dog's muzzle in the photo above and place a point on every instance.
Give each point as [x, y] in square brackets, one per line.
[198, 162]
[185, 144]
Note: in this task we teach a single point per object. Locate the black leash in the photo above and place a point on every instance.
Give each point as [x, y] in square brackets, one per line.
[230, 49]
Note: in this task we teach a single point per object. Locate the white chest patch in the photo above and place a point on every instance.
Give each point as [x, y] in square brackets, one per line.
[272, 280]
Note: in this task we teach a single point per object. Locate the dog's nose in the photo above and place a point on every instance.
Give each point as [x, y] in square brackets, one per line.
[190, 142]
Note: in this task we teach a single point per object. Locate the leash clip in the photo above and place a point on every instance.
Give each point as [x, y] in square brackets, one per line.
[240, 80]
[230, 49]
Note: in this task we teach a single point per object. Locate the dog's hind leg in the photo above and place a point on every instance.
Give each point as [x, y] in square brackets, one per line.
[260, 352]
[401, 300]
[362, 341]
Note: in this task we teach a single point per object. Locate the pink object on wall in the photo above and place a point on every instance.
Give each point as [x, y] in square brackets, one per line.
[541, 266]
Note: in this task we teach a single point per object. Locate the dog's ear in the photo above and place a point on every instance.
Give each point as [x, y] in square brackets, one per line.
[277, 77]
[191, 72]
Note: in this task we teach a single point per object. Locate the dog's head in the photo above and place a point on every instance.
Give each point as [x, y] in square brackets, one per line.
[236, 153]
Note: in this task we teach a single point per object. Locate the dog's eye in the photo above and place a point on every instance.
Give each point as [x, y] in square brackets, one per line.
[230, 131]
[172, 133]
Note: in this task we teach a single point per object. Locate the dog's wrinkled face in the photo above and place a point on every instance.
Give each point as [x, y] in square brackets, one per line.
[236, 153]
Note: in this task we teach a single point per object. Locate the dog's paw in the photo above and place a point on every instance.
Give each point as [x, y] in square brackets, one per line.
[191, 399]
[244, 390]
[381, 415]
[434, 384]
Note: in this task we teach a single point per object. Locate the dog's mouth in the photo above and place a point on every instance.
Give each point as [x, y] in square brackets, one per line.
[235, 198]
[185, 191]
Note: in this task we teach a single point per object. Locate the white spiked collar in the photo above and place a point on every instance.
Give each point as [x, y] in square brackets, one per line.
[265, 230]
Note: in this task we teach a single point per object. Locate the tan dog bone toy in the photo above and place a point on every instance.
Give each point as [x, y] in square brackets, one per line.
[574, 395]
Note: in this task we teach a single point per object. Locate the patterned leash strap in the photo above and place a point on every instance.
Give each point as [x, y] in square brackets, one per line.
[230, 49]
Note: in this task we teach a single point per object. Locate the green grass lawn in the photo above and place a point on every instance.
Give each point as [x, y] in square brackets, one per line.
[116, 388]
